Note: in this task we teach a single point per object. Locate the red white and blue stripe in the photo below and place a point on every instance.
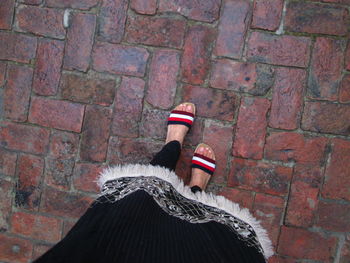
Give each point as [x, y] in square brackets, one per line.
[181, 117]
[204, 163]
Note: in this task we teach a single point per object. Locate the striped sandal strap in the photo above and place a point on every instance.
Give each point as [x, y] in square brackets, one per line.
[204, 163]
[181, 117]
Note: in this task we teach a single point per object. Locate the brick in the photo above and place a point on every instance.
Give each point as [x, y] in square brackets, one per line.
[95, 134]
[112, 20]
[145, 7]
[6, 14]
[183, 170]
[63, 145]
[17, 92]
[290, 146]
[194, 136]
[267, 14]
[85, 175]
[7, 162]
[58, 172]
[259, 176]
[252, 78]
[64, 204]
[251, 128]
[5, 205]
[347, 57]
[28, 189]
[196, 55]
[127, 150]
[243, 198]
[211, 103]
[279, 50]
[326, 117]
[31, 2]
[344, 93]
[206, 11]
[67, 226]
[3, 67]
[40, 21]
[79, 42]
[232, 29]
[301, 243]
[334, 217]
[56, 114]
[119, 59]
[287, 98]
[15, 249]
[219, 137]
[269, 209]
[337, 184]
[154, 31]
[162, 78]
[303, 197]
[84, 89]
[40, 249]
[48, 67]
[128, 107]
[17, 47]
[326, 69]
[75, 4]
[36, 226]
[345, 251]
[36, 141]
[154, 124]
[316, 18]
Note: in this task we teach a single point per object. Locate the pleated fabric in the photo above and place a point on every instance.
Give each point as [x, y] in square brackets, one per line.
[137, 229]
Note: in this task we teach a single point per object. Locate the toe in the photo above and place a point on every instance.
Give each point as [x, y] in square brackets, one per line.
[189, 108]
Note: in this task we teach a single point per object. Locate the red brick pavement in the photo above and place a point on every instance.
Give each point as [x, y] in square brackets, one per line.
[271, 83]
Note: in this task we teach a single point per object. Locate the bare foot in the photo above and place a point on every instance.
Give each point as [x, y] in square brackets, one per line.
[199, 177]
[178, 131]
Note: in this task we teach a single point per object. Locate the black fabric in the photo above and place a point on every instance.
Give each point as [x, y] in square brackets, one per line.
[136, 229]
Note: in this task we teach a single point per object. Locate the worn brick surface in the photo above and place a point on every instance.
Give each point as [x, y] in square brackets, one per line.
[17, 47]
[75, 4]
[17, 92]
[211, 103]
[112, 20]
[259, 176]
[128, 107]
[88, 84]
[6, 14]
[87, 90]
[48, 67]
[326, 118]
[344, 93]
[195, 60]
[79, 41]
[206, 11]
[148, 7]
[336, 184]
[95, 137]
[15, 249]
[40, 21]
[56, 114]
[267, 14]
[300, 243]
[326, 69]
[279, 50]
[232, 28]
[36, 226]
[287, 98]
[162, 78]
[316, 18]
[164, 32]
[251, 128]
[119, 59]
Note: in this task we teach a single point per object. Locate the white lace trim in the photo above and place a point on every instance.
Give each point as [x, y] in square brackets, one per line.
[208, 199]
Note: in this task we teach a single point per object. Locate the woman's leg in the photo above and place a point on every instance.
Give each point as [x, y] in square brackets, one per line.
[168, 156]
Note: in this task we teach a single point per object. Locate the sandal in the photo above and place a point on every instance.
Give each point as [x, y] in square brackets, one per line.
[182, 117]
[202, 162]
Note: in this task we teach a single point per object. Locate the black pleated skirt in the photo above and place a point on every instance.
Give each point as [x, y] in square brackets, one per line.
[136, 229]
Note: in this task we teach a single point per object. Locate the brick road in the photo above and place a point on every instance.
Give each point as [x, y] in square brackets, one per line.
[89, 83]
